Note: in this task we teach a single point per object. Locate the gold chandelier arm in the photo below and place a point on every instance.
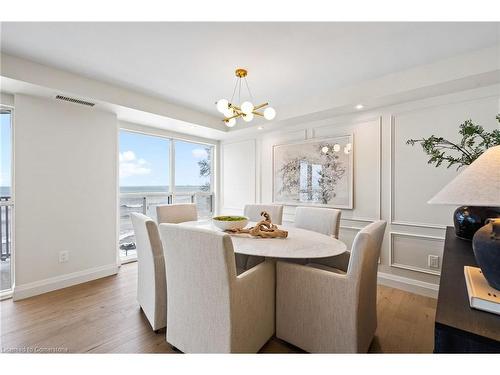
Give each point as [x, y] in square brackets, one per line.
[235, 107]
[235, 116]
[260, 106]
[258, 113]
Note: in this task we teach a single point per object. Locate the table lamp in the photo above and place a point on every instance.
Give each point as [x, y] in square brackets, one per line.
[477, 191]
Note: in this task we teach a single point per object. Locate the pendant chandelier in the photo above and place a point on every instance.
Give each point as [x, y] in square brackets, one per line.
[246, 110]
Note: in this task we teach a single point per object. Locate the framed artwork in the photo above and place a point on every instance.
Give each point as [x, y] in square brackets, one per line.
[314, 172]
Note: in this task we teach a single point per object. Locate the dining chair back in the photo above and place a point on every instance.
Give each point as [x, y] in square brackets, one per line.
[325, 310]
[151, 279]
[210, 308]
[252, 211]
[318, 219]
[177, 213]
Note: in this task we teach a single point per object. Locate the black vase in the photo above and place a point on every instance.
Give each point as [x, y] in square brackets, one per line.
[486, 246]
[469, 219]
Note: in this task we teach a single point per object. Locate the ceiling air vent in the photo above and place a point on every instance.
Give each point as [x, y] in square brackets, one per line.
[74, 100]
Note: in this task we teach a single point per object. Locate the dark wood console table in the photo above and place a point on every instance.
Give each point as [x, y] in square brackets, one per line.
[459, 328]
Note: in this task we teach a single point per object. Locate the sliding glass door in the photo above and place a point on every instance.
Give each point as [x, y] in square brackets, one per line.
[144, 180]
[156, 170]
[6, 201]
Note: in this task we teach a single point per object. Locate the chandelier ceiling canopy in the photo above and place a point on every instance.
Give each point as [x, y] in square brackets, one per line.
[246, 110]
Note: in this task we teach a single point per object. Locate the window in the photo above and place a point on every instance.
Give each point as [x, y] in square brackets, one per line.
[193, 176]
[144, 182]
[146, 171]
[193, 172]
[6, 203]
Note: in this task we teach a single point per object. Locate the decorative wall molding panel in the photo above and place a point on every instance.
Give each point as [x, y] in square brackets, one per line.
[411, 252]
[347, 234]
[238, 161]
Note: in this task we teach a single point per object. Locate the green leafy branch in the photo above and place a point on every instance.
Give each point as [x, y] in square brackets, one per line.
[205, 166]
[475, 140]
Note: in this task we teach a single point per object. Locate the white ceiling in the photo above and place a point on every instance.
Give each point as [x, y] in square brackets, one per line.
[289, 64]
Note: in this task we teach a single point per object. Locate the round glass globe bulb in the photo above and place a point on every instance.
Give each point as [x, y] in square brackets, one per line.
[228, 112]
[336, 147]
[231, 123]
[346, 151]
[269, 113]
[222, 105]
[324, 150]
[247, 108]
[248, 117]
[349, 146]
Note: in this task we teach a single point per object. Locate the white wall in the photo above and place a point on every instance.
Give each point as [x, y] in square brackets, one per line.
[65, 194]
[6, 99]
[392, 181]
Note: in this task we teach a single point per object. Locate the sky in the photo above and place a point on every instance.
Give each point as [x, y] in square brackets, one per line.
[5, 150]
[144, 161]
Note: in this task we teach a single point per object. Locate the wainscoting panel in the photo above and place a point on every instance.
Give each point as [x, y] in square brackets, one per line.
[347, 235]
[238, 179]
[411, 252]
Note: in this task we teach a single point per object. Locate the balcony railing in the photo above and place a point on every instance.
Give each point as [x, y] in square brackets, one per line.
[146, 203]
[6, 206]
[5, 227]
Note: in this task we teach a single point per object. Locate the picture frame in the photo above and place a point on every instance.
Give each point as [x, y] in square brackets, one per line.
[314, 172]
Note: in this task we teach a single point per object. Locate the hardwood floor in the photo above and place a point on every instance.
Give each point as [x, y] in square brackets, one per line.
[102, 316]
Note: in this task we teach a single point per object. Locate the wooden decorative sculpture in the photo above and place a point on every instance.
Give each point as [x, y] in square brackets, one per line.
[264, 228]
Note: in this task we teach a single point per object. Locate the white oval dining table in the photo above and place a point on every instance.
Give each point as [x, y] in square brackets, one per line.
[300, 243]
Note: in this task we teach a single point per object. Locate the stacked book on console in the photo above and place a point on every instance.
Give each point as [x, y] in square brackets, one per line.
[481, 295]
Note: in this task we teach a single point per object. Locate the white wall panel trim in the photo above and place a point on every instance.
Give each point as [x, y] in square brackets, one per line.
[224, 177]
[406, 266]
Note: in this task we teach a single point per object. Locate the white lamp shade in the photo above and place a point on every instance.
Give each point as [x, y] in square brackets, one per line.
[477, 185]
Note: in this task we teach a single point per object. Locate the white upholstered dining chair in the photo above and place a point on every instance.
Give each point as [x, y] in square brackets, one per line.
[177, 213]
[325, 310]
[325, 221]
[151, 279]
[318, 219]
[252, 211]
[210, 308]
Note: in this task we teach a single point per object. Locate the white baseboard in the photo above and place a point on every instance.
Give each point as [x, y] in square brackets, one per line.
[409, 285]
[63, 281]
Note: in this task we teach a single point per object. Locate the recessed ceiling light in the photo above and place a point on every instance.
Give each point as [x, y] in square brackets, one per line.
[360, 106]
[260, 127]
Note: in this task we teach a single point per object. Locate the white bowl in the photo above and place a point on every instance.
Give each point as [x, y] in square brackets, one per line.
[229, 225]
